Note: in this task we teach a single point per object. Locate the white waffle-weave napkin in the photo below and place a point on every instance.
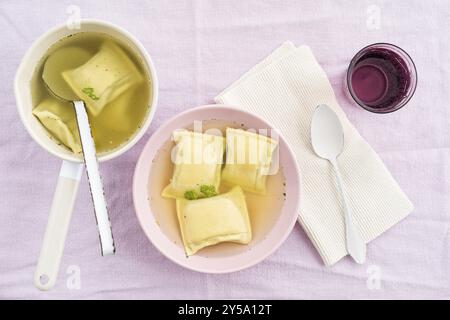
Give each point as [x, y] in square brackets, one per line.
[285, 88]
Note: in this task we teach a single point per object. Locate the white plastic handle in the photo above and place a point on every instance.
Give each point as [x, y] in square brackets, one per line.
[57, 225]
[356, 245]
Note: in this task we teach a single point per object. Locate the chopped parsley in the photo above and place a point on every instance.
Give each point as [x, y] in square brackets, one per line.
[191, 195]
[207, 191]
[90, 93]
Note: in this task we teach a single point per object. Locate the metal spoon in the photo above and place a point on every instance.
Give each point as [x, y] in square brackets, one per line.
[327, 138]
[66, 59]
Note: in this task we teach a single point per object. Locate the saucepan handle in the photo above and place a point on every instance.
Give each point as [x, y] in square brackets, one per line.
[57, 225]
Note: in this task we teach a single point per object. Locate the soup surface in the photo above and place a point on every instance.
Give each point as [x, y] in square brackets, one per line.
[117, 121]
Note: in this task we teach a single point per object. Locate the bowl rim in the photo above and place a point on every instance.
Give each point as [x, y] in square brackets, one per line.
[137, 194]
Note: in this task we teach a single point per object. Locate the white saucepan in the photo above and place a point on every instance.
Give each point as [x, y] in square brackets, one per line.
[72, 165]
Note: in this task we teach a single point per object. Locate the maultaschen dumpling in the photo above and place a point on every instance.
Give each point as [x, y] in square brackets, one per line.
[248, 160]
[198, 162]
[58, 118]
[209, 221]
[104, 77]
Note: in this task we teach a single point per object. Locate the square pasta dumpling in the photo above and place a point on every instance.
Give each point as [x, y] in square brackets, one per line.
[248, 160]
[198, 161]
[58, 118]
[208, 221]
[104, 77]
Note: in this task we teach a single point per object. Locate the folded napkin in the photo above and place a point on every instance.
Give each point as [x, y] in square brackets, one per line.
[285, 89]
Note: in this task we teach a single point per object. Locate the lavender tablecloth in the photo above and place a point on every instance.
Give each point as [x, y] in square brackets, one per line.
[199, 47]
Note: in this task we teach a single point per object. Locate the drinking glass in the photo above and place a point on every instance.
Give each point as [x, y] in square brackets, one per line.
[381, 78]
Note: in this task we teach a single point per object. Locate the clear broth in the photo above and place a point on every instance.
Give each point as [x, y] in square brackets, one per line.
[109, 131]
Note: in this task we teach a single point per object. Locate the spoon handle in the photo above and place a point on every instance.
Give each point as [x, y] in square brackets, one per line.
[356, 246]
[95, 182]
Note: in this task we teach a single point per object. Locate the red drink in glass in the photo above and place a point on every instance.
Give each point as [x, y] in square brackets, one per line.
[381, 78]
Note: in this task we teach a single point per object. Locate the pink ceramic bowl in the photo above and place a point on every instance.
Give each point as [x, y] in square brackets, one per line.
[157, 215]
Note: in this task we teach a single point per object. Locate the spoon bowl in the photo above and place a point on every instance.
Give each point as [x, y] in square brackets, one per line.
[63, 59]
[327, 135]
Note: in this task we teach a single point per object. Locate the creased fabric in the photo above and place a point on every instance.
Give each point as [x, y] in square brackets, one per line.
[199, 48]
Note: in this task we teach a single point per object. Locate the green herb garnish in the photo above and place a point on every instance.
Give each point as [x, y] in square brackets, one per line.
[207, 191]
[90, 93]
[191, 195]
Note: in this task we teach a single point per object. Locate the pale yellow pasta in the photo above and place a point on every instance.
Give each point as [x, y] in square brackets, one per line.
[104, 77]
[59, 119]
[208, 221]
[198, 161]
[248, 160]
